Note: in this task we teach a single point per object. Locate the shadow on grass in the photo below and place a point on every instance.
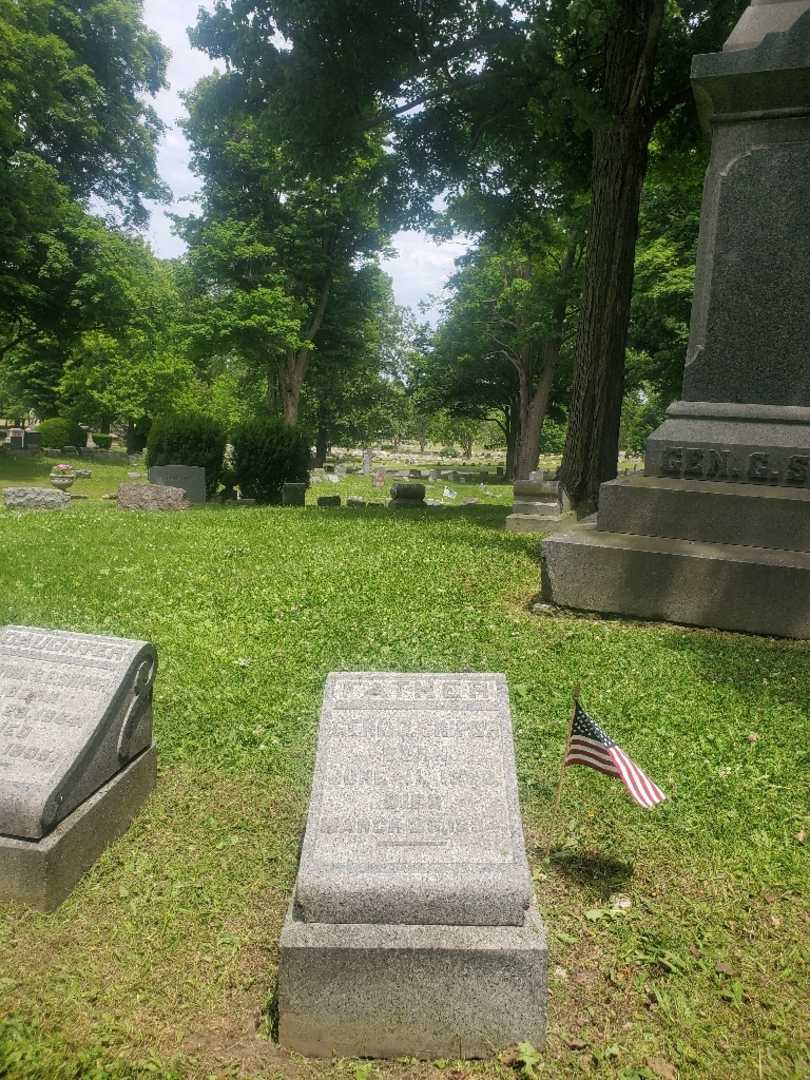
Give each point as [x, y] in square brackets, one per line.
[762, 669]
[601, 874]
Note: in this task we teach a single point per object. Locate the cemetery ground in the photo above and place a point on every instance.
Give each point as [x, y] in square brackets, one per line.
[678, 937]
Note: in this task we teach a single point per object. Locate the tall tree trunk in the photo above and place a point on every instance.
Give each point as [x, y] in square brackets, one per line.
[296, 362]
[533, 409]
[534, 402]
[321, 446]
[619, 165]
[512, 438]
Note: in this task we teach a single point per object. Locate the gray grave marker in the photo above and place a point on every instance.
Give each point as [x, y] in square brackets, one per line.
[413, 928]
[76, 754]
[191, 478]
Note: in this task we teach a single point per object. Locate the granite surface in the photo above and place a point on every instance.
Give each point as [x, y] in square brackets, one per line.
[190, 478]
[711, 512]
[151, 497]
[418, 991]
[35, 498]
[74, 710]
[43, 873]
[414, 817]
[408, 492]
[727, 586]
[294, 495]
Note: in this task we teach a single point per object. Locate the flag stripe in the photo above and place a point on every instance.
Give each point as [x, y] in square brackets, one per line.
[592, 765]
[655, 793]
[631, 782]
[635, 780]
[589, 755]
[590, 746]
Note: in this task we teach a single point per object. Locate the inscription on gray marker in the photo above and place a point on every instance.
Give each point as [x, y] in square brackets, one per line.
[414, 815]
[75, 709]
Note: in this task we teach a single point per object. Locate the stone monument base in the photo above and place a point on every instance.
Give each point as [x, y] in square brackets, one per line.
[43, 873]
[387, 991]
[730, 556]
[532, 523]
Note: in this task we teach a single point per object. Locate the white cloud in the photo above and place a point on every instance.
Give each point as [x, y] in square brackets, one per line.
[421, 267]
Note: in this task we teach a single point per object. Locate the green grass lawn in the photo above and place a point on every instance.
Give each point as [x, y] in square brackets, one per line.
[163, 961]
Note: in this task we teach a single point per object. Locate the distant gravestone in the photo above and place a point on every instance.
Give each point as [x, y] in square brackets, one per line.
[329, 501]
[16, 438]
[368, 462]
[536, 506]
[294, 495]
[151, 497]
[356, 502]
[34, 498]
[379, 478]
[33, 440]
[407, 496]
[76, 754]
[191, 478]
[413, 929]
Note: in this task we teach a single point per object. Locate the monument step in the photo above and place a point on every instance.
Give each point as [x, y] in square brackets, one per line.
[750, 515]
[728, 586]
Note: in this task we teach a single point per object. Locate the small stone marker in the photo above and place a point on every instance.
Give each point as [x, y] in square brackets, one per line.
[407, 497]
[368, 462]
[536, 506]
[151, 497]
[191, 478]
[34, 498]
[76, 754]
[356, 501]
[413, 929]
[328, 501]
[294, 495]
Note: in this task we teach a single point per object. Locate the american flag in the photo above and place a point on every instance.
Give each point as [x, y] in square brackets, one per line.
[590, 745]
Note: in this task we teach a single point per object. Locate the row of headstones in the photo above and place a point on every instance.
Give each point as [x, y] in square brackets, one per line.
[403, 496]
[413, 928]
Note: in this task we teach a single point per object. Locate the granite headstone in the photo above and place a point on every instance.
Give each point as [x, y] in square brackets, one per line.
[413, 928]
[294, 495]
[75, 726]
[191, 478]
[34, 498]
[712, 533]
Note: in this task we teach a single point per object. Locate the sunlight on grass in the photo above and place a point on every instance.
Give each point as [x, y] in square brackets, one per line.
[167, 949]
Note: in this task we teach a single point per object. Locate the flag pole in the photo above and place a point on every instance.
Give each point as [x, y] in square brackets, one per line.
[556, 811]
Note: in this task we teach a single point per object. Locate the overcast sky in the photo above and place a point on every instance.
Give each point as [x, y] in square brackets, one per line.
[421, 267]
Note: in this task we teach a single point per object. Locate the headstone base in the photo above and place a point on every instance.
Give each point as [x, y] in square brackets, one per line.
[388, 991]
[531, 523]
[407, 504]
[43, 873]
[756, 590]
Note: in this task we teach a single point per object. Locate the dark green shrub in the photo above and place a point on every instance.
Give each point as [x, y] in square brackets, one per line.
[267, 454]
[188, 439]
[103, 442]
[60, 432]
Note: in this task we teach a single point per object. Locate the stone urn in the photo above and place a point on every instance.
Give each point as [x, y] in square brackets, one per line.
[63, 480]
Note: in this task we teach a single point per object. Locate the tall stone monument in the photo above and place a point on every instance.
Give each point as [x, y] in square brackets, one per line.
[413, 928]
[716, 532]
[76, 754]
